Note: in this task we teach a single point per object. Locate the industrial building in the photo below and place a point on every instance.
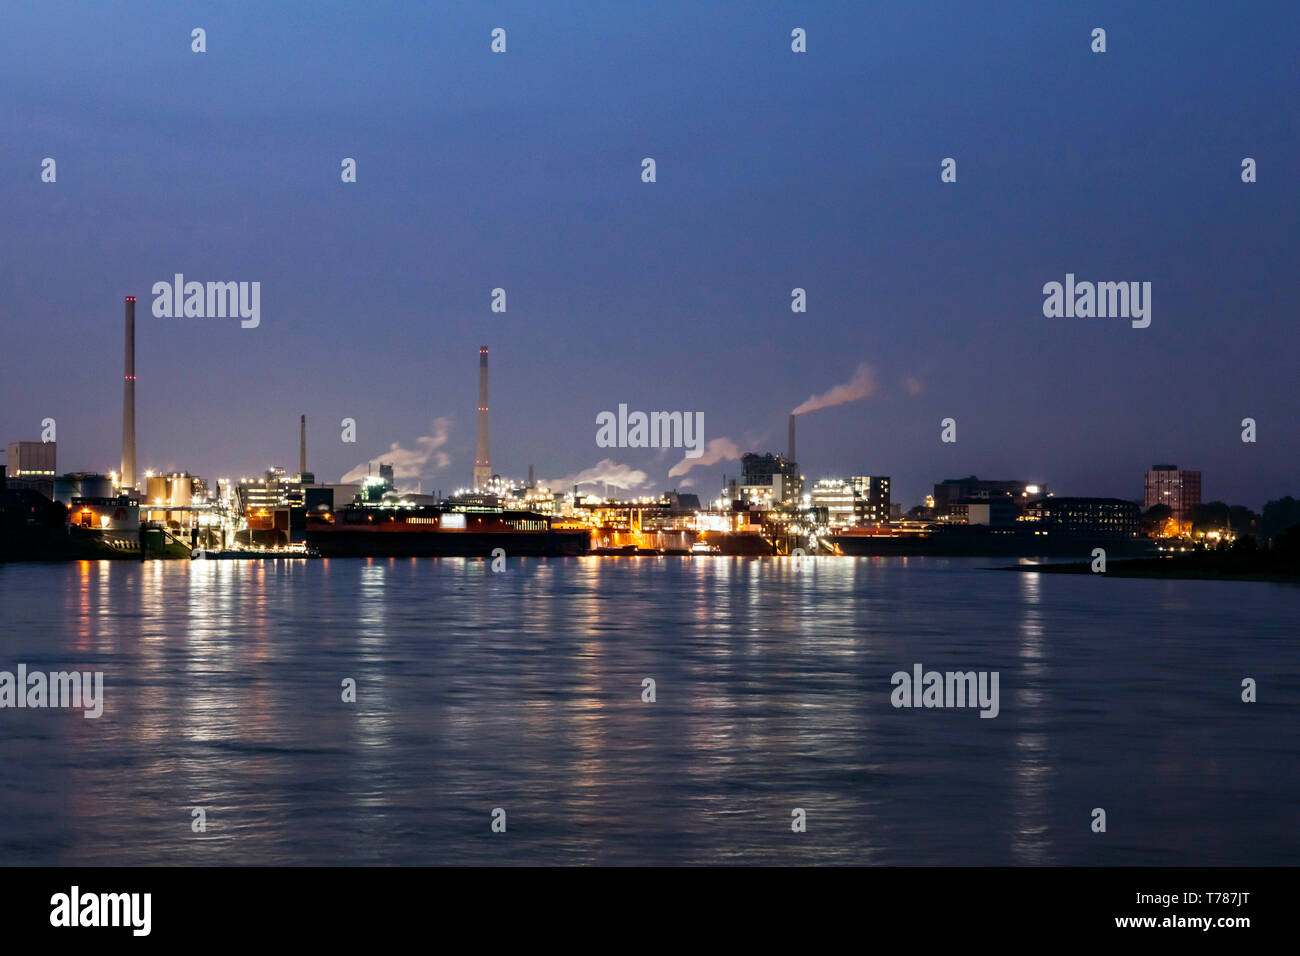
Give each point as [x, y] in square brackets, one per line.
[82, 485]
[770, 480]
[31, 459]
[871, 501]
[998, 511]
[953, 490]
[856, 502]
[117, 516]
[275, 489]
[31, 466]
[833, 500]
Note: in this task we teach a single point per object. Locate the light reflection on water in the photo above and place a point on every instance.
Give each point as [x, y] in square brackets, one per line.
[522, 690]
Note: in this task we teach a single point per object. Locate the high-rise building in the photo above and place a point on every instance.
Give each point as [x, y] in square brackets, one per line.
[870, 499]
[1169, 485]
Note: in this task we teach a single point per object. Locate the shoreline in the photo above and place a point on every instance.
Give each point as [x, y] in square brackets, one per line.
[1261, 568]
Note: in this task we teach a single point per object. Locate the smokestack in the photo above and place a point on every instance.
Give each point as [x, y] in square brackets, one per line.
[128, 400]
[790, 442]
[302, 446]
[482, 461]
[531, 483]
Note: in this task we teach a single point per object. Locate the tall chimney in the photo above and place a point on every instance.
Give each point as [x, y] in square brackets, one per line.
[482, 461]
[790, 443]
[127, 481]
[302, 446]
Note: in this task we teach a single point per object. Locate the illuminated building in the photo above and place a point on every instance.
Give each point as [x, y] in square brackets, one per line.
[117, 517]
[31, 459]
[860, 500]
[835, 497]
[1086, 517]
[31, 466]
[770, 480]
[261, 498]
[1168, 485]
[871, 504]
[994, 512]
[952, 490]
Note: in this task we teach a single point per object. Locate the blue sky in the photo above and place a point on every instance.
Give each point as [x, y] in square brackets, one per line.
[775, 170]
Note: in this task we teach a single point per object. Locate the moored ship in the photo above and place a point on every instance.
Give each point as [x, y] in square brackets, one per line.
[965, 541]
[430, 531]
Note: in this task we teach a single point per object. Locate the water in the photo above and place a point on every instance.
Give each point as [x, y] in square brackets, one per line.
[522, 690]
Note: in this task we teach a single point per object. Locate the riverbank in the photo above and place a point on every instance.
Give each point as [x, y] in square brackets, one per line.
[77, 544]
[1199, 565]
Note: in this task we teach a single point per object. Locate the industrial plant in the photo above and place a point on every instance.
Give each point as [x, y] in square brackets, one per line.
[769, 509]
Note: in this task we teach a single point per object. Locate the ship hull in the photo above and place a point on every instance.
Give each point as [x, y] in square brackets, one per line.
[364, 543]
[437, 533]
[253, 555]
[990, 545]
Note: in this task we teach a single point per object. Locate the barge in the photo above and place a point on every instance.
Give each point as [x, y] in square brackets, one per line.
[431, 531]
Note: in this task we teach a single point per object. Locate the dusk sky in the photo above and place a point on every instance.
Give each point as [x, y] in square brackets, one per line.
[775, 170]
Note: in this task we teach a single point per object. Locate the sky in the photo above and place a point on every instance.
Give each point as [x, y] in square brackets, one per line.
[775, 170]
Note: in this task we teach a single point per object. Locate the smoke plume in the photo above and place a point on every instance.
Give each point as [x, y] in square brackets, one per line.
[408, 462]
[719, 449]
[604, 471]
[861, 385]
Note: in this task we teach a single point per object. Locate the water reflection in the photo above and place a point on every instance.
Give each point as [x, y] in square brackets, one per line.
[1031, 836]
[523, 690]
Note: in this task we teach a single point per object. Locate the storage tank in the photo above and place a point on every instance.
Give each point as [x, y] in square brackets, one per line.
[67, 487]
[97, 486]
